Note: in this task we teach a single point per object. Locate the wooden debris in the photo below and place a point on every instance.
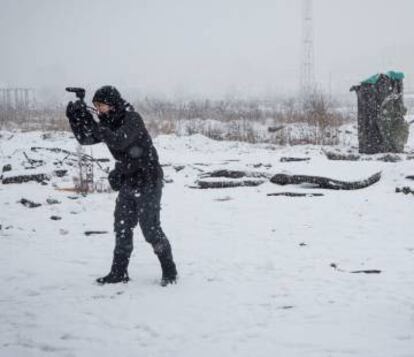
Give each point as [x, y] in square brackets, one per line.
[296, 194]
[7, 167]
[256, 166]
[363, 271]
[274, 129]
[345, 157]
[368, 271]
[294, 159]
[178, 168]
[236, 179]
[324, 182]
[405, 190]
[68, 153]
[89, 233]
[29, 204]
[25, 178]
[60, 173]
[227, 184]
[354, 157]
[33, 163]
[226, 173]
[389, 158]
[235, 174]
[52, 201]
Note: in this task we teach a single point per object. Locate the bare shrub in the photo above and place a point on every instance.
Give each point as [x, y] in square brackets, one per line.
[312, 120]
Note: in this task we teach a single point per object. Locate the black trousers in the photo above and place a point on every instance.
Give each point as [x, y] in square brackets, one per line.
[139, 205]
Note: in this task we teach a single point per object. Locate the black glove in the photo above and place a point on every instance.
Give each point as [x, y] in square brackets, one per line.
[116, 179]
[102, 132]
[78, 111]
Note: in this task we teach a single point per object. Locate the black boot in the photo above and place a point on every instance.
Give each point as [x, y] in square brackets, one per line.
[119, 271]
[169, 270]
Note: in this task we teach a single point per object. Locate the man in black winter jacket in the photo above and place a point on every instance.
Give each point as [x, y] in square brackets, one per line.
[137, 176]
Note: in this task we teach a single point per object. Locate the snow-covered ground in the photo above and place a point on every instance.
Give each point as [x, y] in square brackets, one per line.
[255, 270]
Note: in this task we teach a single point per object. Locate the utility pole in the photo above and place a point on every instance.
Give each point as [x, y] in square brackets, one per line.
[307, 75]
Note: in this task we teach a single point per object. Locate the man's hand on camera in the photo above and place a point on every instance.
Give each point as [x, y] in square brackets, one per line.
[77, 110]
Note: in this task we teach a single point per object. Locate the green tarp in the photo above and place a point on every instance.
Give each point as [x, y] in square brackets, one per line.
[397, 76]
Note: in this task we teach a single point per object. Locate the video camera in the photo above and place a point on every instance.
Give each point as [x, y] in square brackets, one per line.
[79, 92]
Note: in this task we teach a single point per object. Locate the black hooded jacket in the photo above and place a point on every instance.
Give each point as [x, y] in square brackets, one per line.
[124, 132]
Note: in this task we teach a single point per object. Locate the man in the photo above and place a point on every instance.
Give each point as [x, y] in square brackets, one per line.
[137, 176]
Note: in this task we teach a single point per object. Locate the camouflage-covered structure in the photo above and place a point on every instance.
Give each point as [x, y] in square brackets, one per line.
[381, 124]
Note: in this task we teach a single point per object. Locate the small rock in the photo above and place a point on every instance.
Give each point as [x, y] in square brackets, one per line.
[52, 201]
[179, 168]
[223, 199]
[55, 218]
[7, 168]
[60, 173]
[46, 136]
[294, 159]
[30, 204]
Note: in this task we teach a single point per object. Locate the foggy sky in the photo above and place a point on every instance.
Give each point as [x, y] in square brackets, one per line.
[201, 47]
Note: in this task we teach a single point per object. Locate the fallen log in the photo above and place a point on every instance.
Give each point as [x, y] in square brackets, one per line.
[227, 184]
[25, 178]
[363, 271]
[324, 182]
[405, 190]
[33, 163]
[235, 174]
[294, 159]
[367, 271]
[89, 233]
[345, 157]
[226, 173]
[296, 194]
[354, 157]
